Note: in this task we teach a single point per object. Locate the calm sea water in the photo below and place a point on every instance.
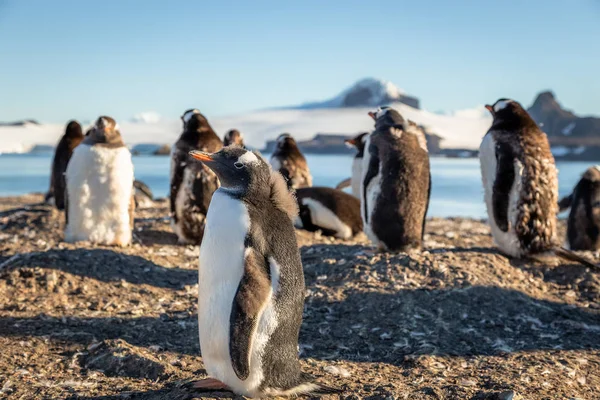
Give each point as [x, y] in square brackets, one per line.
[456, 191]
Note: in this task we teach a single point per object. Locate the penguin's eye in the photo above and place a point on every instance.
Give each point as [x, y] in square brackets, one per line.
[238, 165]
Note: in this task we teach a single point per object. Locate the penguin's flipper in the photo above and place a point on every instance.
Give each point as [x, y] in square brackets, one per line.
[372, 171]
[344, 184]
[252, 295]
[178, 163]
[565, 203]
[505, 177]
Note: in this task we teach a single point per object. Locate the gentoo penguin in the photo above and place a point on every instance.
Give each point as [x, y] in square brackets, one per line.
[233, 137]
[251, 282]
[142, 194]
[583, 227]
[71, 139]
[521, 184]
[357, 142]
[192, 183]
[99, 177]
[288, 160]
[332, 211]
[396, 182]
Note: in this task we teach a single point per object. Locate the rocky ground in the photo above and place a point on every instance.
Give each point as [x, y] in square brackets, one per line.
[457, 321]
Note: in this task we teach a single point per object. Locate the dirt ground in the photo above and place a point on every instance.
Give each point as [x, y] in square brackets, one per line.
[457, 321]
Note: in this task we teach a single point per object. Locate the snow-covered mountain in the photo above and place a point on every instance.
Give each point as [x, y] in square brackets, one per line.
[368, 92]
[343, 114]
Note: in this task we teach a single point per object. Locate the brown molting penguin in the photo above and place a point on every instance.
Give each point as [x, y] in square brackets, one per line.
[396, 183]
[192, 183]
[332, 211]
[357, 142]
[583, 227]
[289, 161]
[520, 183]
[233, 137]
[251, 282]
[71, 139]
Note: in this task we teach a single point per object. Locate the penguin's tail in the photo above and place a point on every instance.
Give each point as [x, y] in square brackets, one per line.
[572, 256]
[307, 387]
[344, 184]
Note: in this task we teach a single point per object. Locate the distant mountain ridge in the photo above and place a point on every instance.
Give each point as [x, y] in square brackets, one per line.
[368, 92]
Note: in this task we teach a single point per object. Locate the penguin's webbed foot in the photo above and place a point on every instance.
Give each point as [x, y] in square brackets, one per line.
[208, 385]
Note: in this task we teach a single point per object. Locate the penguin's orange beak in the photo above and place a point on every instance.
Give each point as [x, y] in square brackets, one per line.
[373, 115]
[200, 155]
[490, 108]
[350, 142]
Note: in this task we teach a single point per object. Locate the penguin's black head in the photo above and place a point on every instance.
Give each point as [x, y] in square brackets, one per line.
[509, 114]
[73, 130]
[386, 117]
[193, 120]
[233, 137]
[358, 142]
[286, 142]
[234, 166]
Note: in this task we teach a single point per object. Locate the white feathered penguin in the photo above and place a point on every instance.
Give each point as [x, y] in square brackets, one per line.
[99, 179]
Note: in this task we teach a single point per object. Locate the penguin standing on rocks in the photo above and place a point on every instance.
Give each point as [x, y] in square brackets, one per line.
[142, 194]
[583, 227]
[233, 137]
[396, 183]
[192, 183]
[357, 142]
[289, 161]
[99, 179]
[251, 282]
[71, 139]
[332, 211]
[521, 184]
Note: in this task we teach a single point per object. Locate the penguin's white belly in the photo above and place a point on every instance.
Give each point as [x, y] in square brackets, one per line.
[275, 163]
[370, 196]
[221, 269]
[508, 242]
[357, 169]
[100, 186]
[325, 218]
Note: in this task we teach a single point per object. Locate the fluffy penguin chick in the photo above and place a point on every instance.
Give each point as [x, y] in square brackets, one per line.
[289, 161]
[583, 227]
[251, 283]
[99, 179]
[71, 139]
[521, 184]
[332, 211]
[233, 137]
[396, 183]
[192, 183]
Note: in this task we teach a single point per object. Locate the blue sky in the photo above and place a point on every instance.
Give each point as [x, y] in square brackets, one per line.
[78, 59]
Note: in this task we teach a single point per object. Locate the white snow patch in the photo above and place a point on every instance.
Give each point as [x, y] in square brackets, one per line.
[150, 117]
[560, 151]
[567, 130]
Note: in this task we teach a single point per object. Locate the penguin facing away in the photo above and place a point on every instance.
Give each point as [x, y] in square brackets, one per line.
[233, 137]
[332, 211]
[289, 161]
[396, 183]
[521, 184]
[99, 194]
[583, 227]
[192, 183]
[357, 142]
[71, 139]
[251, 282]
